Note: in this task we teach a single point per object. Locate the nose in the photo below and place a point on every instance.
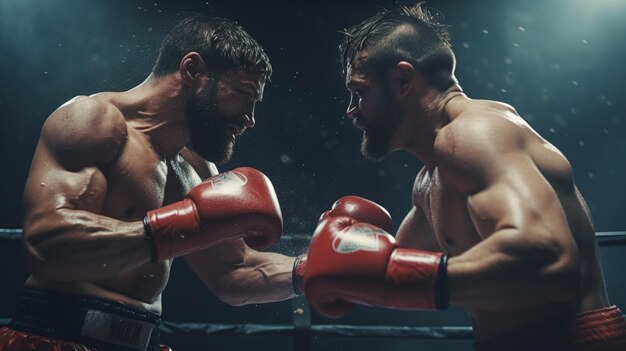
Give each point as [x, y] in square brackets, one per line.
[353, 108]
[250, 122]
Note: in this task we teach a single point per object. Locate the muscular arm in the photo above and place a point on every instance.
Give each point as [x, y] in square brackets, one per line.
[239, 275]
[235, 273]
[65, 236]
[528, 256]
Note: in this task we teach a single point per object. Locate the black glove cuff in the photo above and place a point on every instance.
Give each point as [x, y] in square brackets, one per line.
[442, 290]
[148, 230]
[296, 278]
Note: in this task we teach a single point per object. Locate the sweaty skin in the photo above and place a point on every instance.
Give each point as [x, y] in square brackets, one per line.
[502, 202]
[96, 170]
[493, 195]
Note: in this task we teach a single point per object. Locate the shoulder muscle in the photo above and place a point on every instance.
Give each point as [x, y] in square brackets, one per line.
[85, 132]
[475, 150]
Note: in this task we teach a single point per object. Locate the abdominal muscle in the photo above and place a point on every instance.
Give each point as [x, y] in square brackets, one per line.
[140, 287]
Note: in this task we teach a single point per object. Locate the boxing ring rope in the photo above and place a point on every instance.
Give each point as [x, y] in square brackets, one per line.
[186, 330]
[301, 330]
[604, 238]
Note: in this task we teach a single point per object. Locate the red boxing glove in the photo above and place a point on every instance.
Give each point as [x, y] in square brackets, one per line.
[351, 262]
[231, 205]
[363, 210]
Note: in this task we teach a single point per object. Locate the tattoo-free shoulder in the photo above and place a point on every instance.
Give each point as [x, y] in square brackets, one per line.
[476, 139]
[85, 131]
[482, 126]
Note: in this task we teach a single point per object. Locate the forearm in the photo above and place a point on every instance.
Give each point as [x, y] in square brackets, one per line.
[262, 277]
[503, 271]
[74, 245]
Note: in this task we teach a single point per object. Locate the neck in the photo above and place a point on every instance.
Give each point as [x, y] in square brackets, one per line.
[430, 113]
[157, 108]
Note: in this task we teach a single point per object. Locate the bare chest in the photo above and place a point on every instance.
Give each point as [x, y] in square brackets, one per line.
[135, 186]
[140, 181]
[446, 212]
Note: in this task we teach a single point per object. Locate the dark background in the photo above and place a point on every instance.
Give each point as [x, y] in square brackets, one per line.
[560, 63]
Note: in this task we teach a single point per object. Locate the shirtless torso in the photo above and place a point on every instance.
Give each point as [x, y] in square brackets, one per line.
[135, 180]
[448, 216]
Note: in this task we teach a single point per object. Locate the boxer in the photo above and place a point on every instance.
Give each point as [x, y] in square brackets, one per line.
[114, 194]
[498, 225]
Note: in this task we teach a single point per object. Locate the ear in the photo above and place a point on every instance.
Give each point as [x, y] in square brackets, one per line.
[191, 68]
[404, 78]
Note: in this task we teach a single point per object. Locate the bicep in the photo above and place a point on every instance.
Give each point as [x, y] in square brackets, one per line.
[51, 188]
[65, 166]
[415, 232]
[518, 197]
[65, 171]
[505, 189]
[526, 242]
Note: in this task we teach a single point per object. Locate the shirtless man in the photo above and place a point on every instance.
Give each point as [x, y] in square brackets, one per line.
[497, 225]
[105, 213]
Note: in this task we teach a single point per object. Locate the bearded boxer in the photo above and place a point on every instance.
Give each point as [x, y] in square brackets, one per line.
[497, 225]
[113, 194]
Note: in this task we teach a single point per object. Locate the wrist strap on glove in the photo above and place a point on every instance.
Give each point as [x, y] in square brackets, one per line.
[148, 230]
[297, 274]
[442, 290]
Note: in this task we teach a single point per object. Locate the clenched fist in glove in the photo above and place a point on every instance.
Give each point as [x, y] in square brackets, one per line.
[353, 262]
[352, 206]
[236, 204]
[361, 209]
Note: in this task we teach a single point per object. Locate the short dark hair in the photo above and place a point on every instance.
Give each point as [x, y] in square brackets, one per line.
[222, 43]
[404, 34]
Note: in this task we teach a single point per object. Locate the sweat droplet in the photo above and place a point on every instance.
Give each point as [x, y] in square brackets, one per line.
[284, 158]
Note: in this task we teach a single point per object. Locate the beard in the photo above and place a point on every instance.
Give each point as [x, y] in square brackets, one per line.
[380, 128]
[209, 134]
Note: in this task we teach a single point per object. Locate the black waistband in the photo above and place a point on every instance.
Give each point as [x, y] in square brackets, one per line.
[71, 317]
